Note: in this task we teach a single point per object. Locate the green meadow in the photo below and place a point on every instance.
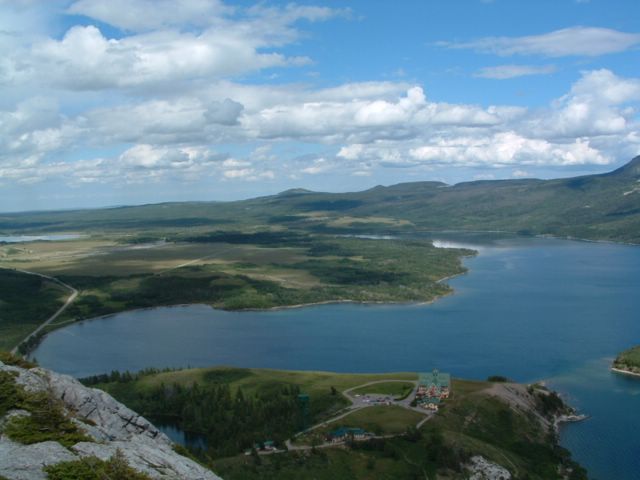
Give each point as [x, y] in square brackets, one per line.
[477, 419]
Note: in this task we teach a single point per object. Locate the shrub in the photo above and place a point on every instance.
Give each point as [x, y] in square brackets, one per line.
[11, 396]
[92, 468]
[11, 359]
[46, 422]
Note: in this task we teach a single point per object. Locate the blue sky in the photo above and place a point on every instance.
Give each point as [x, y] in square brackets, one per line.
[137, 101]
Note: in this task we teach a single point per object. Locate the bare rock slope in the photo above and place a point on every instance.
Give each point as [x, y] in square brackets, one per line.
[109, 424]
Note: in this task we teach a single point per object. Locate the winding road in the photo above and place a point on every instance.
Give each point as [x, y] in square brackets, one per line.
[357, 403]
[69, 301]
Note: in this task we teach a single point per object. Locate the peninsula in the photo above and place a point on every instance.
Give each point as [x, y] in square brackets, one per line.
[628, 362]
[268, 424]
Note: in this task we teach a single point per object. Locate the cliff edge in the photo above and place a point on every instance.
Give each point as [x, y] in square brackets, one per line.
[82, 423]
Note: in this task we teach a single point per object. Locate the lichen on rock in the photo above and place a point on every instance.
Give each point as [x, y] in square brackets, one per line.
[107, 425]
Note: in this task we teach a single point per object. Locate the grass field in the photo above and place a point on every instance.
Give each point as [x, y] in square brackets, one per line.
[379, 419]
[393, 389]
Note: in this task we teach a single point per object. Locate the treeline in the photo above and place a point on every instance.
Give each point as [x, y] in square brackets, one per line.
[269, 238]
[231, 421]
[121, 377]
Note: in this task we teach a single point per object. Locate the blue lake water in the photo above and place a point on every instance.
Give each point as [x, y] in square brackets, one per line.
[35, 238]
[530, 309]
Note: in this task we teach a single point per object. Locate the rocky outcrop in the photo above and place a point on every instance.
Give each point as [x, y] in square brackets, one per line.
[25, 462]
[110, 424]
[482, 469]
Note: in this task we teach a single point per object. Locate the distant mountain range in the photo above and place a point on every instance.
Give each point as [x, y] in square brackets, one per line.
[599, 207]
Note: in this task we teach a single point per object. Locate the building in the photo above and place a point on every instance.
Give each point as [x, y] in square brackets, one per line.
[431, 403]
[345, 433]
[433, 386]
[266, 446]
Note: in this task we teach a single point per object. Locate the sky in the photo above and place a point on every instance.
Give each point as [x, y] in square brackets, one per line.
[125, 102]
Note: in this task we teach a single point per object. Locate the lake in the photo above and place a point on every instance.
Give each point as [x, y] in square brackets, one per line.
[529, 308]
[36, 238]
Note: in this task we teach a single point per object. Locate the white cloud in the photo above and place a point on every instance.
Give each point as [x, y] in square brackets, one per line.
[249, 174]
[365, 120]
[140, 15]
[86, 60]
[507, 148]
[238, 172]
[520, 174]
[351, 152]
[155, 104]
[382, 126]
[594, 106]
[185, 119]
[503, 72]
[573, 41]
[320, 165]
[163, 44]
[605, 87]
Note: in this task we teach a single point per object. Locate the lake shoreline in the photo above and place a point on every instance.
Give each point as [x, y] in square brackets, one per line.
[283, 307]
[622, 371]
[537, 235]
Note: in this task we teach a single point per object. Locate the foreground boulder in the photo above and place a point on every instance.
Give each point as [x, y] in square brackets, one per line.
[107, 425]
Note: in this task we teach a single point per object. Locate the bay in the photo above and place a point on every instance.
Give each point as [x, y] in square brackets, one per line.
[531, 309]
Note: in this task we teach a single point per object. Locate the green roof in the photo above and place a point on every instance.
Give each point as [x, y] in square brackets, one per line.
[439, 379]
[343, 431]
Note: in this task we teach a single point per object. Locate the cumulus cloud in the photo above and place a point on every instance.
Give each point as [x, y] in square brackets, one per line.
[140, 15]
[573, 41]
[154, 96]
[84, 59]
[368, 119]
[381, 126]
[351, 152]
[161, 45]
[320, 165]
[503, 72]
[250, 174]
[507, 148]
[596, 105]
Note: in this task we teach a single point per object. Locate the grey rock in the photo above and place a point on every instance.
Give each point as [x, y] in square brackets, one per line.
[25, 462]
[113, 420]
[110, 424]
[482, 469]
[33, 380]
[146, 456]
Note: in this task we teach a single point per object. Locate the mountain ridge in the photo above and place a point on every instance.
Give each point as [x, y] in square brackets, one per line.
[603, 206]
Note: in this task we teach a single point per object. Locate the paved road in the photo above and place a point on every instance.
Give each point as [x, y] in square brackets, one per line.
[369, 400]
[70, 299]
[358, 403]
[290, 446]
